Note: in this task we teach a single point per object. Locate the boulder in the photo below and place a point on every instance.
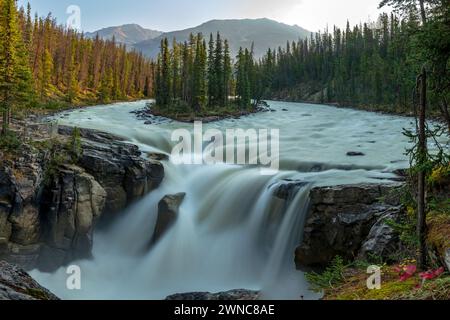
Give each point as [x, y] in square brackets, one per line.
[233, 295]
[340, 220]
[355, 154]
[383, 240]
[168, 209]
[16, 284]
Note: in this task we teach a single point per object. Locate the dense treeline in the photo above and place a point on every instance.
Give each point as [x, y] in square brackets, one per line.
[373, 64]
[42, 63]
[196, 76]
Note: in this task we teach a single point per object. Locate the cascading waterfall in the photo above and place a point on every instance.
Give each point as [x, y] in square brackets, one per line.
[232, 232]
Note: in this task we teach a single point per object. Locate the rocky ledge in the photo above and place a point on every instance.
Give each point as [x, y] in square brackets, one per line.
[349, 221]
[16, 284]
[49, 207]
[233, 295]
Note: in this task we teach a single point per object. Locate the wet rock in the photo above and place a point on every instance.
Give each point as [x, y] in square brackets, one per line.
[157, 156]
[288, 188]
[16, 284]
[355, 154]
[168, 209]
[340, 220]
[383, 240]
[233, 295]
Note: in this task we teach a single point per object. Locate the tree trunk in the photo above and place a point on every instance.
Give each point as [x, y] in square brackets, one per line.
[445, 113]
[423, 13]
[5, 122]
[421, 210]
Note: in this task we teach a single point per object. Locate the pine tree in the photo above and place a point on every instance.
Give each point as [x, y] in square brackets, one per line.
[242, 79]
[212, 81]
[227, 74]
[106, 86]
[199, 76]
[175, 65]
[14, 75]
[219, 96]
[165, 73]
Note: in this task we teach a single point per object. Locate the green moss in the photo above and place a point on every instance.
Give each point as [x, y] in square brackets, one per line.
[37, 294]
[439, 231]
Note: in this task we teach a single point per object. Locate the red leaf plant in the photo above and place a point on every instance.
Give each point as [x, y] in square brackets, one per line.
[406, 272]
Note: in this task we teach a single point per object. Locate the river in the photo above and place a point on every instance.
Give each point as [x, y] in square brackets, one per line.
[230, 233]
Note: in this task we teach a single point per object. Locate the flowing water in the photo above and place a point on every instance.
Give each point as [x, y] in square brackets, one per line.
[231, 232]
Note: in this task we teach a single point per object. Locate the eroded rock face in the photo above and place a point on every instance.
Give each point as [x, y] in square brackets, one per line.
[72, 206]
[344, 218]
[168, 209]
[233, 295]
[118, 167]
[16, 284]
[48, 220]
[383, 241]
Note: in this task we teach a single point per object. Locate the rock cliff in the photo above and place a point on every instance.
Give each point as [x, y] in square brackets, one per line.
[49, 206]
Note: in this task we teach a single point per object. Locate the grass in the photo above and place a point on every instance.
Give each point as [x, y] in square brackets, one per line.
[352, 285]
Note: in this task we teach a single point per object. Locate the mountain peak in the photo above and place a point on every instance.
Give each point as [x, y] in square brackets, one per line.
[263, 32]
[128, 34]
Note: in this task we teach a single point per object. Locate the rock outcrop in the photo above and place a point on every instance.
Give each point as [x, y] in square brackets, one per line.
[233, 295]
[49, 208]
[16, 284]
[168, 209]
[117, 166]
[348, 221]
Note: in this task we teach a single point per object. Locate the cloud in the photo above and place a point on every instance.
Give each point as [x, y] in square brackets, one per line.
[258, 8]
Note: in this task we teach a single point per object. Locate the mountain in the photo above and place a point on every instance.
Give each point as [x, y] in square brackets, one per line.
[264, 33]
[128, 34]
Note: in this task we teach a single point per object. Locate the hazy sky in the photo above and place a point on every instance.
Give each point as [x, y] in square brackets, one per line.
[169, 15]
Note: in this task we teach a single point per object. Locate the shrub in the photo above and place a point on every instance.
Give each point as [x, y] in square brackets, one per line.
[9, 142]
[332, 276]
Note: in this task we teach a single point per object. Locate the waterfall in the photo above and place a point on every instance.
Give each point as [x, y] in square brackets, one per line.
[232, 231]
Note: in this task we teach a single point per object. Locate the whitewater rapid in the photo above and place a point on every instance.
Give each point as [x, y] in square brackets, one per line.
[231, 232]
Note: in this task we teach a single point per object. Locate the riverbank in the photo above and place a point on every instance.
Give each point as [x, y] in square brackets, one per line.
[390, 249]
[53, 107]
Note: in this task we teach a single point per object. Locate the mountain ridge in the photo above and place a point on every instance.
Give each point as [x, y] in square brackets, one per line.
[264, 33]
[128, 34]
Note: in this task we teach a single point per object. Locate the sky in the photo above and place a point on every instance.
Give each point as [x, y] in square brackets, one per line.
[170, 15]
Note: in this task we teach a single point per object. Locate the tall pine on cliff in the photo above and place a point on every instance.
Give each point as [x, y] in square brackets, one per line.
[15, 76]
